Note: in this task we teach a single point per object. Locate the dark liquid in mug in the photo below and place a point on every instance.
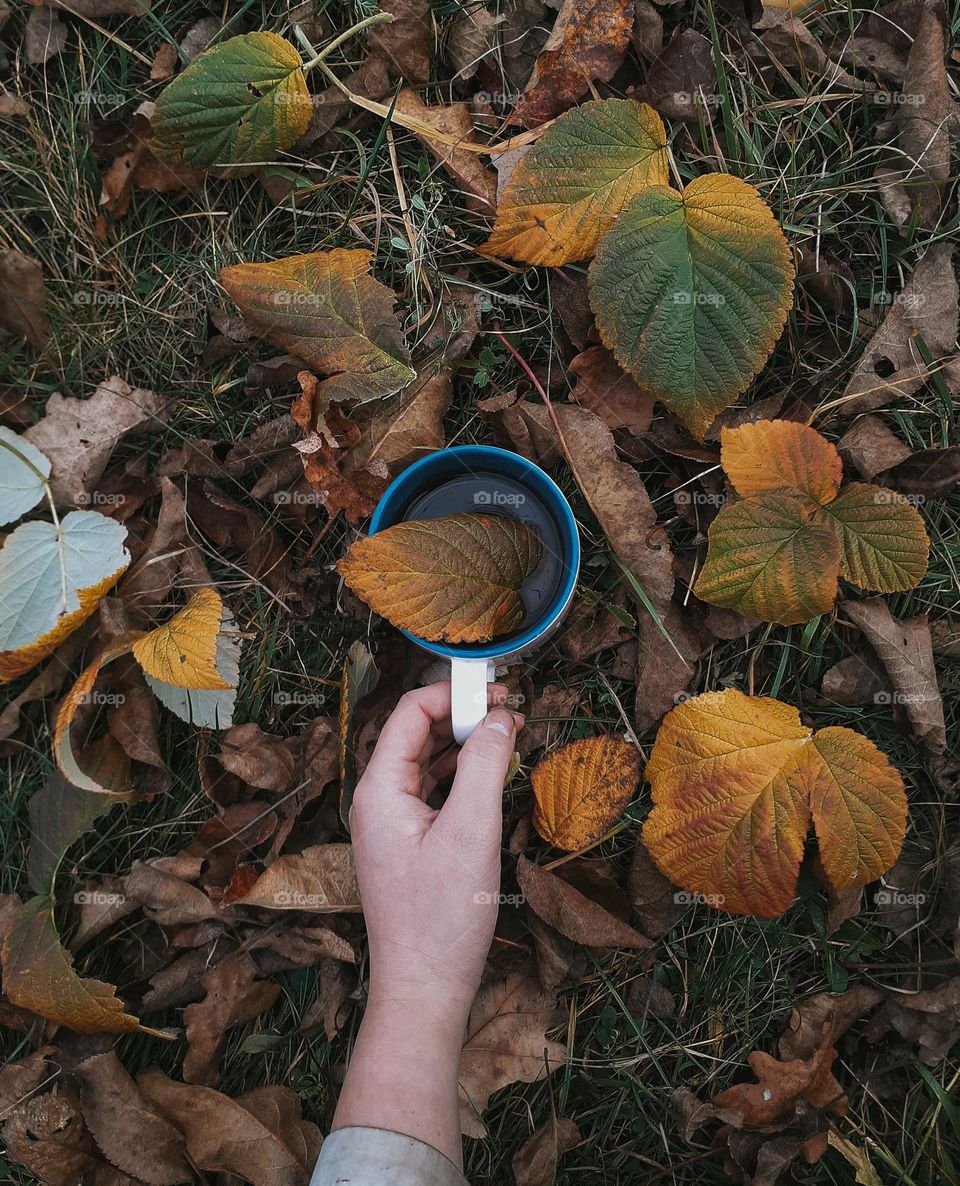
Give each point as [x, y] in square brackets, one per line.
[493, 494]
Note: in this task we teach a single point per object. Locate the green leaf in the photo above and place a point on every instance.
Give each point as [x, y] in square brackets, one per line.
[883, 542]
[691, 291]
[574, 182]
[52, 578]
[236, 105]
[23, 476]
[771, 558]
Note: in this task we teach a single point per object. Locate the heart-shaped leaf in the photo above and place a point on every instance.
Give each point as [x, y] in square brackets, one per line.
[454, 579]
[235, 106]
[778, 554]
[736, 781]
[182, 652]
[328, 310]
[582, 789]
[574, 182]
[52, 578]
[24, 471]
[691, 291]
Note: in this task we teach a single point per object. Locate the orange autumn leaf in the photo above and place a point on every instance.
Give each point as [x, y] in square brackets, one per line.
[582, 789]
[453, 579]
[779, 552]
[38, 975]
[183, 651]
[736, 781]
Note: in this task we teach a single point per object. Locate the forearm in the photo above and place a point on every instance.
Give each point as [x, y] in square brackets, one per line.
[402, 1075]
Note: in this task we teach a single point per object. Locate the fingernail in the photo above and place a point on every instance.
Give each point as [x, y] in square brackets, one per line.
[501, 721]
[519, 720]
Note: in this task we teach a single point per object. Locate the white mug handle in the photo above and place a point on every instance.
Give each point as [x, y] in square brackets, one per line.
[468, 694]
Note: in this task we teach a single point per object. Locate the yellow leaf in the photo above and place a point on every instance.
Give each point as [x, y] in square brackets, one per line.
[455, 579]
[781, 455]
[183, 651]
[574, 182]
[582, 789]
[736, 781]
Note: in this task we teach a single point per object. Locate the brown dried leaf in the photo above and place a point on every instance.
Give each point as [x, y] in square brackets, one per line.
[505, 1043]
[587, 43]
[605, 389]
[477, 181]
[23, 297]
[321, 878]
[905, 650]
[572, 913]
[234, 996]
[535, 1162]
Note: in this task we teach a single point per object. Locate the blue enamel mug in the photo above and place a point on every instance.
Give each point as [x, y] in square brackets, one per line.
[495, 481]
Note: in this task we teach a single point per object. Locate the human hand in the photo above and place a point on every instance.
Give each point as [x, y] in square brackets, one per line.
[430, 880]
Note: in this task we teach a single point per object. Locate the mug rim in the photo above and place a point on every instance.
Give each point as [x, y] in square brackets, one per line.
[561, 507]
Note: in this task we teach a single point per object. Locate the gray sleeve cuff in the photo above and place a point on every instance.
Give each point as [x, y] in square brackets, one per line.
[377, 1157]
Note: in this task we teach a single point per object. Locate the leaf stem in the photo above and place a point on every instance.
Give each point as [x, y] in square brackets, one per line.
[378, 18]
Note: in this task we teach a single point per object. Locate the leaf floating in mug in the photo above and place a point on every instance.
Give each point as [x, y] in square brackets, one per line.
[455, 579]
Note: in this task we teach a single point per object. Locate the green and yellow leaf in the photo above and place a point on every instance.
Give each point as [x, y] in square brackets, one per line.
[327, 309]
[883, 543]
[235, 106]
[453, 579]
[736, 781]
[691, 291]
[576, 179]
[771, 558]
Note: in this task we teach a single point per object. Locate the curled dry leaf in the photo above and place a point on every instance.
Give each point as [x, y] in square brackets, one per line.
[535, 1162]
[778, 553]
[259, 1137]
[736, 781]
[321, 878]
[240, 103]
[506, 1043]
[605, 389]
[327, 309]
[587, 43]
[455, 579]
[572, 913]
[476, 180]
[23, 299]
[582, 789]
[691, 292]
[576, 179]
[906, 651]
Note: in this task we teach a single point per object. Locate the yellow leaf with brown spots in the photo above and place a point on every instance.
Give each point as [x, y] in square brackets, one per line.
[183, 651]
[582, 789]
[736, 781]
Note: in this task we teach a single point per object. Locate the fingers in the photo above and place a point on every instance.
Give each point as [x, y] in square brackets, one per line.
[473, 806]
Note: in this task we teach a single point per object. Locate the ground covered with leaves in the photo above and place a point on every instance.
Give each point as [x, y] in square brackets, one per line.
[727, 964]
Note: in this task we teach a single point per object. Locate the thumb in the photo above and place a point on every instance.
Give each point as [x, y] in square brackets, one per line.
[474, 802]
